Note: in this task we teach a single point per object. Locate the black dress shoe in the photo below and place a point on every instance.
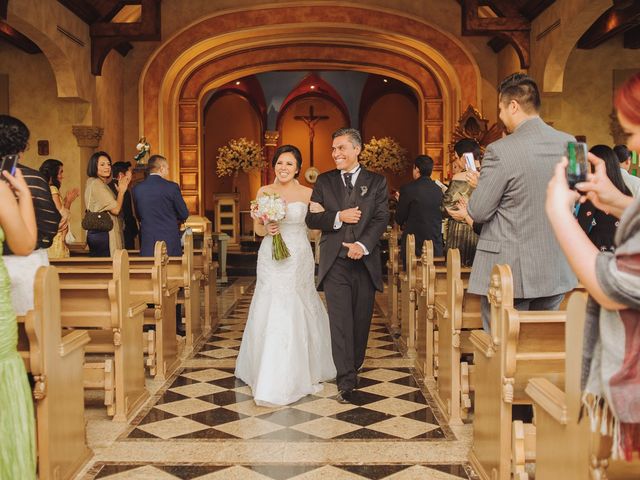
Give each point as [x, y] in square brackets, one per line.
[345, 396]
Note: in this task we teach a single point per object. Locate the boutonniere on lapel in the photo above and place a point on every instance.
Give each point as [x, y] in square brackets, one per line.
[363, 190]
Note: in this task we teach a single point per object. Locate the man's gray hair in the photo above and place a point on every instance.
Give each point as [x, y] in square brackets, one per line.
[352, 133]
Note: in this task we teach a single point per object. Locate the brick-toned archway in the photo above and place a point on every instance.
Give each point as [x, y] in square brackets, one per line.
[303, 37]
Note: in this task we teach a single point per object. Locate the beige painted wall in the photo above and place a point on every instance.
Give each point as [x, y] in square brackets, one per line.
[55, 90]
[33, 99]
[587, 100]
[109, 107]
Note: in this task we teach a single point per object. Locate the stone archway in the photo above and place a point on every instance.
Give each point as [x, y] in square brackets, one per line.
[194, 61]
[581, 19]
[62, 66]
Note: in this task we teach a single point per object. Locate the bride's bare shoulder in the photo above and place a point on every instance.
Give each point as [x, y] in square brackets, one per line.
[305, 193]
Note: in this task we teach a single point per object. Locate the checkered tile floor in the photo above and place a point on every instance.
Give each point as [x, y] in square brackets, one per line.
[204, 402]
[273, 472]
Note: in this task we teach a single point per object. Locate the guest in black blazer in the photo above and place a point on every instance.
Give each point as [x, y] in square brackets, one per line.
[160, 208]
[418, 208]
[130, 228]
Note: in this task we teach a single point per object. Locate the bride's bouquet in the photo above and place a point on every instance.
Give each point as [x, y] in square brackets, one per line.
[269, 208]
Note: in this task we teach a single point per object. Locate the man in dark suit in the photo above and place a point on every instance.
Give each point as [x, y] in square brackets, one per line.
[130, 230]
[349, 205]
[160, 208]
[419, 210]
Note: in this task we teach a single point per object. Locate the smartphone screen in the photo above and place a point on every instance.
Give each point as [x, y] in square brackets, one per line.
[470, 162]
[9, 163]
[578, 163]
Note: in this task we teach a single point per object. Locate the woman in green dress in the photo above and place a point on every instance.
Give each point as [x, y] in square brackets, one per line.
[18, 229]
[459, 234]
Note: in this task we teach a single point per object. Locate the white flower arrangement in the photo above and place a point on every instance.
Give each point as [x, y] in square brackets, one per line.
[239, 154]
[384, 154]
[143, 149]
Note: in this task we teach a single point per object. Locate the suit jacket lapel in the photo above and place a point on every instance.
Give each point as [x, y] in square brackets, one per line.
[363, 180]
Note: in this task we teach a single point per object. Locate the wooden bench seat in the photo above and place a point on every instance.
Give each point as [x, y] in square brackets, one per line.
[393, 279]
[457, 315]
[557, 413]
[149, 284]
[521, 346]
[433, 283]
[55, 361]
[99, 301]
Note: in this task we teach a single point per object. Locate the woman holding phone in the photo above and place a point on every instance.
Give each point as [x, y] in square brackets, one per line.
[18, 229]
[459, 234]
[611, 352]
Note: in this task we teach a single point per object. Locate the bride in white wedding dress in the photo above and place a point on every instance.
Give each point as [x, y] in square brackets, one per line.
[286, 347]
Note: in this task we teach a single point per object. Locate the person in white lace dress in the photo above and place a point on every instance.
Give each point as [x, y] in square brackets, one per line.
[286, 347]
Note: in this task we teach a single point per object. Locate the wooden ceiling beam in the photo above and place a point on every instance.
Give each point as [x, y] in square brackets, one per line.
[106, 35]
[610, 24]
[514, 29]
[82, 9]
[632, 38]
[4, 7]
[17, 39]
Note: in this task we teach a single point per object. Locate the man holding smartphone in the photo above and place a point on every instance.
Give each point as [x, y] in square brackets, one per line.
[509, 202]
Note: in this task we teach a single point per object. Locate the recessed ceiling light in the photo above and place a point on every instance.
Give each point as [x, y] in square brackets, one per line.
[385, 80]
[312, 87]
[238, 82]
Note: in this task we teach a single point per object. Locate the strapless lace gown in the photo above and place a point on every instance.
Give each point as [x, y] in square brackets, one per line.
[286, 346]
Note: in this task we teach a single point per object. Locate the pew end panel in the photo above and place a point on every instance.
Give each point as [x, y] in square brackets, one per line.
[55, 361]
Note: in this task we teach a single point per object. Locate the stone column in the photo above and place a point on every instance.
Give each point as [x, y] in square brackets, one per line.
[270, 144]
[88, 138]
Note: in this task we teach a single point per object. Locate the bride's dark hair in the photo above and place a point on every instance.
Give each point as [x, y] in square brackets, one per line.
[288, 149]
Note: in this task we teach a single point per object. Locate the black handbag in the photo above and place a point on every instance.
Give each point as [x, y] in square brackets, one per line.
[97, 221]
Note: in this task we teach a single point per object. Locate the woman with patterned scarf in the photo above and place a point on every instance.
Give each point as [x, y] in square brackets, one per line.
[611, 355]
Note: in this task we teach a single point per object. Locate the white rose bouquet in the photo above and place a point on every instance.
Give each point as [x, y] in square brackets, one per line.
[269, 208]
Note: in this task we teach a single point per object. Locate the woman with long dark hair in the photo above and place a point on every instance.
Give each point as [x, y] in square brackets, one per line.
[53, 172]
[600, 226]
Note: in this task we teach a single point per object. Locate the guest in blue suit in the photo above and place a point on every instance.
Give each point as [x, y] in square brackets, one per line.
[160, 209]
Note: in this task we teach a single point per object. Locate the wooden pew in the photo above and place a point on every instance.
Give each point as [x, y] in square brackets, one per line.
[98, 298]
[182, 271]
[393, 279]
[149, 283]
[203, 248]
[522, 345]
[408, 297]
[557, 420]
[434, 286]
[458, 313]
[55, 362]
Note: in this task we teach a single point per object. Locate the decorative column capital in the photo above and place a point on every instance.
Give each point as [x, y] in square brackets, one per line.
[87, 135]
[271, 138]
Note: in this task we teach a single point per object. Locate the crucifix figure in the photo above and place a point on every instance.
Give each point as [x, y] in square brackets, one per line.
[311, 120]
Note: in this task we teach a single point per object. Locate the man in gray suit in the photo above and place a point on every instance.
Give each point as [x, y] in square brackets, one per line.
[509, 202]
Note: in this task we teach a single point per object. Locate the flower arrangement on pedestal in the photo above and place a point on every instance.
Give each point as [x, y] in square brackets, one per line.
[239, 155]
[384, 154]
[143, 149]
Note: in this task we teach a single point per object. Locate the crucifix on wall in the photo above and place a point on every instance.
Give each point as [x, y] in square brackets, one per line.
[311, 120]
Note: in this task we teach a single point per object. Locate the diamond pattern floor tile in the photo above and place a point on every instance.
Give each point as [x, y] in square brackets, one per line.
[204, 402]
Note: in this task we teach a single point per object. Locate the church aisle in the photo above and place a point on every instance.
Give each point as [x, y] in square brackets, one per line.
[203, 424]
